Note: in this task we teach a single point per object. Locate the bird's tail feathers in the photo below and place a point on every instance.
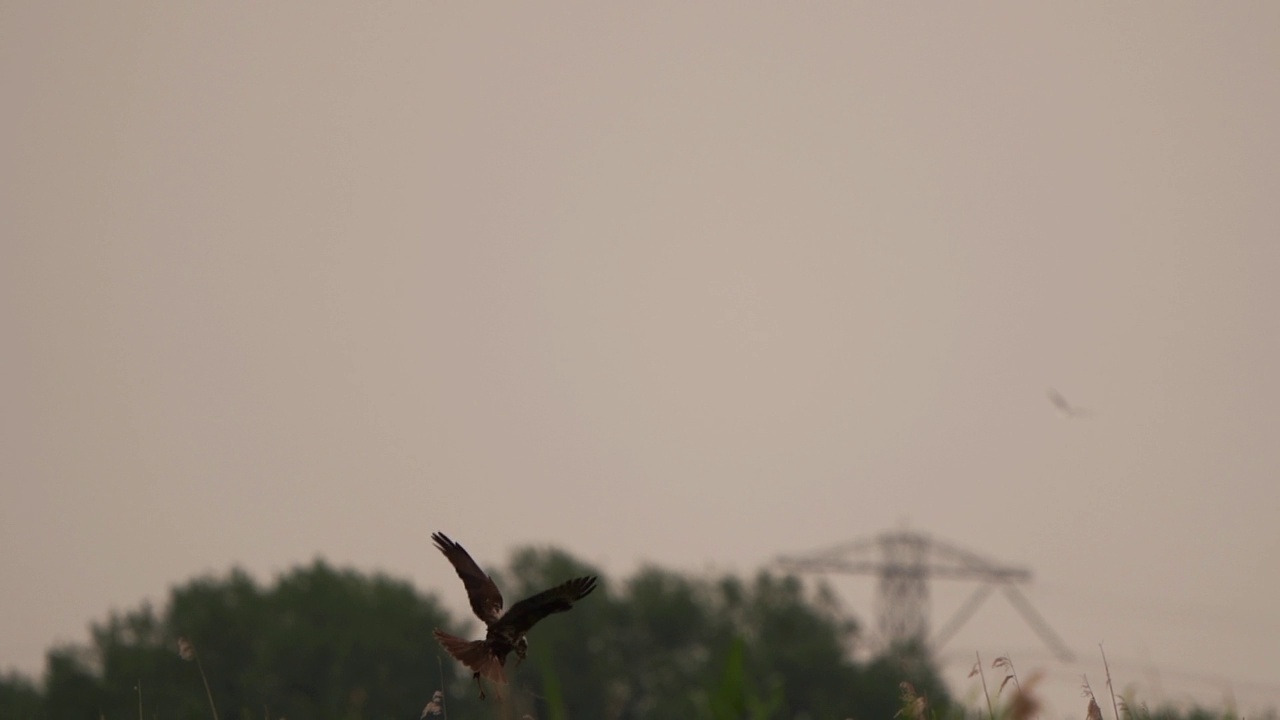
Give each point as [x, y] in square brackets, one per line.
[474, 654]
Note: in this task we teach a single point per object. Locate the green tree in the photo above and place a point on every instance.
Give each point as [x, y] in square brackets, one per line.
[736, 697]
[19, 698]
[322, 643]
[327, 643]
[909, 663]
[666, 645]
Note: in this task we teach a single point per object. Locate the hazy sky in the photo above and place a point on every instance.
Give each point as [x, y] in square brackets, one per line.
[689, 283]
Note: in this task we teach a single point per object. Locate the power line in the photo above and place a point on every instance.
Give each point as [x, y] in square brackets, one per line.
[905, 562]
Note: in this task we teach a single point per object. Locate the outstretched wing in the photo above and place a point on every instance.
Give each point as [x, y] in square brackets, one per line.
[486, 600]
[524, 614]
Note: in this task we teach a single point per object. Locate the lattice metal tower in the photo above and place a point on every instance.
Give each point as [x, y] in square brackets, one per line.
[902, 603]
[904, 562]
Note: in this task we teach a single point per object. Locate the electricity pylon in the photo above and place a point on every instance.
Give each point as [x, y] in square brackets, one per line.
[904, 562]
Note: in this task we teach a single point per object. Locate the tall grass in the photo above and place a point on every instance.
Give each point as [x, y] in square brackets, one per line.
[187, 652]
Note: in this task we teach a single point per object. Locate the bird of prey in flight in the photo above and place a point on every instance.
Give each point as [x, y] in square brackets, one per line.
[506, 631]
[1067, 409]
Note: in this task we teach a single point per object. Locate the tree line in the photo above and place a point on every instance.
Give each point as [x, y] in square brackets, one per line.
[322, 642]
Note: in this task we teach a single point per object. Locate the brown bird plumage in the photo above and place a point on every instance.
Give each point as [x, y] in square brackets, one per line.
[506, 631]
[1066, 408]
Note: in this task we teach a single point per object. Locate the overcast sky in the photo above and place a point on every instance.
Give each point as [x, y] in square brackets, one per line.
[695, 284]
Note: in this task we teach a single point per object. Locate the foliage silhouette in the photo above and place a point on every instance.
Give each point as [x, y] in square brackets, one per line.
[327, 643]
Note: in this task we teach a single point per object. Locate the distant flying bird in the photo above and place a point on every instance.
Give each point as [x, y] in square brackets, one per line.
[1067, 409]
[506, 631]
